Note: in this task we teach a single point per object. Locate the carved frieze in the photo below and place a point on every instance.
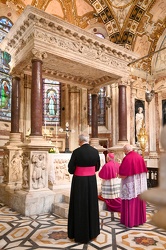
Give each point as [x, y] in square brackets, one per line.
[71, 52]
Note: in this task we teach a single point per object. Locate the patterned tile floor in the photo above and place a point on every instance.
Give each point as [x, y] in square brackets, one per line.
[49, 231]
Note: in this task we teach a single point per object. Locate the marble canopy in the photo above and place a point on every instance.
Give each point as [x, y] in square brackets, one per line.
[69, 53]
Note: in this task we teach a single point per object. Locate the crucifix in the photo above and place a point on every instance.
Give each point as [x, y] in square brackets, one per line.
[67, 130]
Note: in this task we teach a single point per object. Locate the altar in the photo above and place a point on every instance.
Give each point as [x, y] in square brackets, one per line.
[58, 176]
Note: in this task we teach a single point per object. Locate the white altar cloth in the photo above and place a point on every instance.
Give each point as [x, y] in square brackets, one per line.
[58, 175]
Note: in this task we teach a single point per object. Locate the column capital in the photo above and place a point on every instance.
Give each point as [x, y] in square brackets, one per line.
[15, 74]
[17, 77]
[38, 55]
[94, 91]
[125, 81]
[74, 89]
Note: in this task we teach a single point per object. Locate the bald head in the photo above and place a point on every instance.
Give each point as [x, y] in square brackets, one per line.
[127, 148]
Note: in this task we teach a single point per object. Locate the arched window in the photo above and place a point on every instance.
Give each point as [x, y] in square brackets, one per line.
[51, 102]
[101, 107]
[5, 79]
[100, 35]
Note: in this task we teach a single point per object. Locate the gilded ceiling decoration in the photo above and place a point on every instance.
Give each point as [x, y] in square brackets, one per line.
[134, 24]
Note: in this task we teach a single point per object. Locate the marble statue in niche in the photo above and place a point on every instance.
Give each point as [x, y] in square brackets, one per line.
[39, 171]
[139, 117]
[139, 120]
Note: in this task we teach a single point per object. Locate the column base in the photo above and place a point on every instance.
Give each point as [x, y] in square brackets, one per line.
[28, 203]
[37, 141]
[14, 140]
[94, 142]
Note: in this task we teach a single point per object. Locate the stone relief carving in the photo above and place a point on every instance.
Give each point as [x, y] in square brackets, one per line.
[61, 172]
[5, 167]
[96, 52]
[16, 167]
[39, 171]
[25, 166]
[38, 54]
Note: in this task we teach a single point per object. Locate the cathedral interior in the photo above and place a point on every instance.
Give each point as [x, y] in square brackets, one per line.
[67, 67]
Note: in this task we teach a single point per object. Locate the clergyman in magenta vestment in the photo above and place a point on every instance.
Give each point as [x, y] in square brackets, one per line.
[133, 172]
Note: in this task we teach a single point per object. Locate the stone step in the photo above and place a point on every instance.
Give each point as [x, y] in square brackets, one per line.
[61, 208]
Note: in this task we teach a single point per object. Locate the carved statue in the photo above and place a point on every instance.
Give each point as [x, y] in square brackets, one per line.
[38, 174]
[139, 120]
[25, 165]
[5, 167]
[16, 167]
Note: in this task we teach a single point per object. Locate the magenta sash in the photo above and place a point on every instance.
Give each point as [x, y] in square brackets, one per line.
[84, 171]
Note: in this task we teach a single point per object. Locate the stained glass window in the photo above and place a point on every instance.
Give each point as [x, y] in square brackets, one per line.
[5, 24]
[5, 79]
[101, 107]
[51, 102]
[5, 98]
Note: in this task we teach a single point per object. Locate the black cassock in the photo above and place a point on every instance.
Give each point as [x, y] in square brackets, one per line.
[83, 217]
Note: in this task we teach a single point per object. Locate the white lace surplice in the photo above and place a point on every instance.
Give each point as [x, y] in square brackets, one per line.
[133, 185]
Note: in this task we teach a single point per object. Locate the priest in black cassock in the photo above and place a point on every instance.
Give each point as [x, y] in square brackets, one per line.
[83, 217]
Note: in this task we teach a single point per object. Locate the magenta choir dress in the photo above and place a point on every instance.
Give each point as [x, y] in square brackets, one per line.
[133, 210]
[110, 186]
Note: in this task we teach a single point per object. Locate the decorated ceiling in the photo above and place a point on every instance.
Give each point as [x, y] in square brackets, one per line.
[135, 24]
[138, 25]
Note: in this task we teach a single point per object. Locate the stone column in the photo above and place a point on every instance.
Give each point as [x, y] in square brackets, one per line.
[36, 98]
[122, 121]
[26, 165]
[12, 149]
[94, 126]
[74, 117]
[83, 122]
[15, 105]
[36, 138]
[94, 116]
[122, 113]
[15, 135]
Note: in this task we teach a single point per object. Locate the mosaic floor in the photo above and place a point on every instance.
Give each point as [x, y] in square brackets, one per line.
[50, 232]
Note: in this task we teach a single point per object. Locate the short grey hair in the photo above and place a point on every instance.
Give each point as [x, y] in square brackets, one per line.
[84, 138]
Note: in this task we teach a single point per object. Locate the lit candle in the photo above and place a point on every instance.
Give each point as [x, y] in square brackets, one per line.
[88, 129]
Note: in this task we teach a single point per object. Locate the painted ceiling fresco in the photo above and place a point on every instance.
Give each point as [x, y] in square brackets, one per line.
[138, 25]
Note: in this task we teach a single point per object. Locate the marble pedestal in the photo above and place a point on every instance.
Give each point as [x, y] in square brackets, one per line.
[28, 203]
[58, 176]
